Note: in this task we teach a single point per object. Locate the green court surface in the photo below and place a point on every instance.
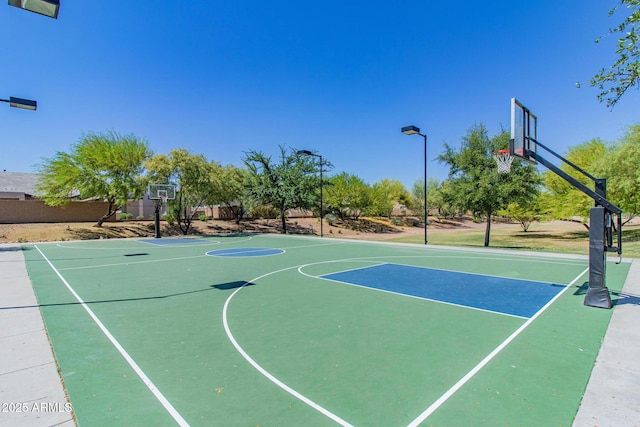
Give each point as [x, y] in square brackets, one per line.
[286, 331]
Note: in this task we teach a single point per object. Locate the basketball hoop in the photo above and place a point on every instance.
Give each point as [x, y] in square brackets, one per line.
[160, 194]
[503, 159]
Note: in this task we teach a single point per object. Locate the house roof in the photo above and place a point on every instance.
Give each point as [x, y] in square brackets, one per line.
[18, 182]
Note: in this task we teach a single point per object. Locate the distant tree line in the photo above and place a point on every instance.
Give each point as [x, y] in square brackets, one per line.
[115, 168]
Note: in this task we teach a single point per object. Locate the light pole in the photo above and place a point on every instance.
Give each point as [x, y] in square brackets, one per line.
[414, 130]
[48, 8]
[26, 104]
[309, 153]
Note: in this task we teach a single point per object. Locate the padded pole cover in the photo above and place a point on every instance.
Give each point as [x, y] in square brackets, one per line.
[597, 293]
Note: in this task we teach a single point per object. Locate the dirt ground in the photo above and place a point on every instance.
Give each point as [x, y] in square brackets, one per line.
[368, 229]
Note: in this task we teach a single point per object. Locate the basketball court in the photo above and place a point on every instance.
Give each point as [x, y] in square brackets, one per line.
[281, 330]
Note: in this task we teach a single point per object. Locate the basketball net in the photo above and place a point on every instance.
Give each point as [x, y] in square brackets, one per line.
[503, 159]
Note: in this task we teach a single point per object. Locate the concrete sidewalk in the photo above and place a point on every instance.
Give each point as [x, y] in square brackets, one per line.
[612, 398]
[31, 391]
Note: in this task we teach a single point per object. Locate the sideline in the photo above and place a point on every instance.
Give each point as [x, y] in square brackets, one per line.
[136, 368]
[30, 385]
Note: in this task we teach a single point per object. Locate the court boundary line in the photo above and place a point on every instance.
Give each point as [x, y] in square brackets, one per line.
[136, 368]
[466, 378]
[66, 244]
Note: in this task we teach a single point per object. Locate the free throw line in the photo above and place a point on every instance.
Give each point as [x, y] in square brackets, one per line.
[145, 379]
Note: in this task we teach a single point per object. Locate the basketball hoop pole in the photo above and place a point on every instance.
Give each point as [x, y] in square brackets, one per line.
[600, 236]
[524, 144]
[156, 218]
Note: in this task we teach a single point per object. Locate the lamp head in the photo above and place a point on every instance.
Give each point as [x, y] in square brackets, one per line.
[26, 104]
[410, 130]
[48, 8]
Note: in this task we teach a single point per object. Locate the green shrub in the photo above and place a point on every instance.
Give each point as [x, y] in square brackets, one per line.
[124, 216]
[203, 217]
[170, 218]
[140, 217]
[396, 221]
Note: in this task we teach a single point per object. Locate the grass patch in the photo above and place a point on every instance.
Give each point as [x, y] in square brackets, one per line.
[543, 240]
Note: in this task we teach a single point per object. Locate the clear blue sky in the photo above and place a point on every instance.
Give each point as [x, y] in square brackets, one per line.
[337, 77]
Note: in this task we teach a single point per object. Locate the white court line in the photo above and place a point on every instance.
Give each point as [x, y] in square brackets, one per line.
[244, 252]
[145, 379]
[84, 267]
[146, 245]
[457, 386]
[263, 371]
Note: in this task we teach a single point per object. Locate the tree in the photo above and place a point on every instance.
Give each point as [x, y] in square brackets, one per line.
[385, 194]
[620, 165]
[291, 183]
[475, 184]
[106, 166]
[434, 197]
[625, 71]
[446, 200]
[229, 188]
[347, 196]
[191, 173]
[523, 214]
[566, 201]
